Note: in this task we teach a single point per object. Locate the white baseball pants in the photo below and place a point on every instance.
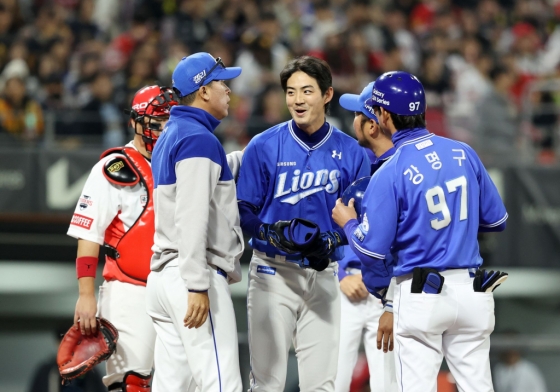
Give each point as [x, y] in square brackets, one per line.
[124, 305]
[287, 304]
[456, 323]
[359, 318]
[205, 359]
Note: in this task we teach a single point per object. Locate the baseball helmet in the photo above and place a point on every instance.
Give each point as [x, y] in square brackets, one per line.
[400, 93]
[149, 103]
[356, 191]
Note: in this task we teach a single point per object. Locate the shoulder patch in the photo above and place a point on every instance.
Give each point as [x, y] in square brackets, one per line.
[120, 172]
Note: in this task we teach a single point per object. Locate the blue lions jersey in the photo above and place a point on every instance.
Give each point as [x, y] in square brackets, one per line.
[283, 177]
[425, 206]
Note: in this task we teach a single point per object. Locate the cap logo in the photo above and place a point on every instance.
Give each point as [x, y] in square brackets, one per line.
[369, 108]
[378, 93]
[199, 76]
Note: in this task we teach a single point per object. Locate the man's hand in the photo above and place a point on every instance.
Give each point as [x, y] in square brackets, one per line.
[84, 314]
[197, 312]
[342, 214]
[385, 332]
[353, 287]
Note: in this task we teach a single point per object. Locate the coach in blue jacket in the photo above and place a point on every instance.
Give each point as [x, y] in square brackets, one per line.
[198, 240]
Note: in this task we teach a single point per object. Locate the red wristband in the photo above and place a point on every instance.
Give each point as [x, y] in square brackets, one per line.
[86, 266]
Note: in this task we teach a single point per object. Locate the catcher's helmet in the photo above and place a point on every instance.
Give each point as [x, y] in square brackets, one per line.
[400, 93]
[148, 103]
[356, 191]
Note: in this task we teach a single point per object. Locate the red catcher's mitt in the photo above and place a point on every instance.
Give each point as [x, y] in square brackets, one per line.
[78, 354]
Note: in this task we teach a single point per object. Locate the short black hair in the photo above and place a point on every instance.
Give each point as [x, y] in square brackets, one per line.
[316, 68]
[406, 122]
[188, 100]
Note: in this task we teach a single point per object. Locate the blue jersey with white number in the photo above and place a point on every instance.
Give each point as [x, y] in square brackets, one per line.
[285, 178]
[425, 206]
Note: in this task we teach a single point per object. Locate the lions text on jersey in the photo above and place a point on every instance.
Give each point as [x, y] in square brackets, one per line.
[297, 178]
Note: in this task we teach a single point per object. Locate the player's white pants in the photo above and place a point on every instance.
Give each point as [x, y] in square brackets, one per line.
[456, 323]
[124, 305]
[206, 357]
[359, 318]
[286, 304]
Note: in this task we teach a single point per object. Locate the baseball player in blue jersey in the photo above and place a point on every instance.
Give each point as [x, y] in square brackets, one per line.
[360, 311]
[426, 206]
[297, 169]
[198, 240]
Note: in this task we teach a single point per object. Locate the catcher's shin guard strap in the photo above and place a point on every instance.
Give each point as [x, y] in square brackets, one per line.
[86, 266]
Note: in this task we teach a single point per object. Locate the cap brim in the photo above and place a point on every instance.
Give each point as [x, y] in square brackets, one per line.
[350, 102]
[226, 73]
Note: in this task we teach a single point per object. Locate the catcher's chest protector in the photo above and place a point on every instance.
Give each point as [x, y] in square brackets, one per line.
[132, 251]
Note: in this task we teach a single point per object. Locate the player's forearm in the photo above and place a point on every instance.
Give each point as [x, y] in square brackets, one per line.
[250, 222]
[86, 286]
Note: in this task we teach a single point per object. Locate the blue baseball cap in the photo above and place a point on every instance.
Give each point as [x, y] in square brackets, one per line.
[358, 103]
[198, 70]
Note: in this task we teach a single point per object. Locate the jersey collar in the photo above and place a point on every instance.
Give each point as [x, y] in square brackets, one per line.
[409, 136]
[310, 142]
[188, 112]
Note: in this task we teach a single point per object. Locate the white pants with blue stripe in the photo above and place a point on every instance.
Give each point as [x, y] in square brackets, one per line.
[361, 319]
[287, 304]
[200, 359]
[456, 323]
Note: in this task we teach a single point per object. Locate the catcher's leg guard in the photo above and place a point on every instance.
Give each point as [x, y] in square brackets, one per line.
[132, 382]
[135, 382]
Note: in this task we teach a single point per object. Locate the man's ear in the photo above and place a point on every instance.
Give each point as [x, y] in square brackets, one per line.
[203, 92]
[373, 128]
[328, 95]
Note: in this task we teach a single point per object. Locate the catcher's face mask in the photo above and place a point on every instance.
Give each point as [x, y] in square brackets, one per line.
[150, 110]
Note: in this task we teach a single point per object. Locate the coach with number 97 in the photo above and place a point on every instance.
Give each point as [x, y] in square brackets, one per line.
[426, 206]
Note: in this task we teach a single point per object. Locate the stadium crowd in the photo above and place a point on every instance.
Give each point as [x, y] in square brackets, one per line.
[489, 67]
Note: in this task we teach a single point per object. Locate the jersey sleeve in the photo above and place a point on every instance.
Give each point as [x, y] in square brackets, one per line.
[198, 170]
[373, 237]
[252, 181]
[98, 205]
[234, 162]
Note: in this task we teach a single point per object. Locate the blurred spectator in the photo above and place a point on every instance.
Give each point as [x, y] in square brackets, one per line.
[498, 126]
[261, 62]
[395, 23]
[77, 81]
[450, 44]
[436, 81]
[270, 110]
[545, 122]
[101, 117]
[46, 377]
[471, 83]
[20, 115]
[193, 24]
[82, 26]
[516, 374]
